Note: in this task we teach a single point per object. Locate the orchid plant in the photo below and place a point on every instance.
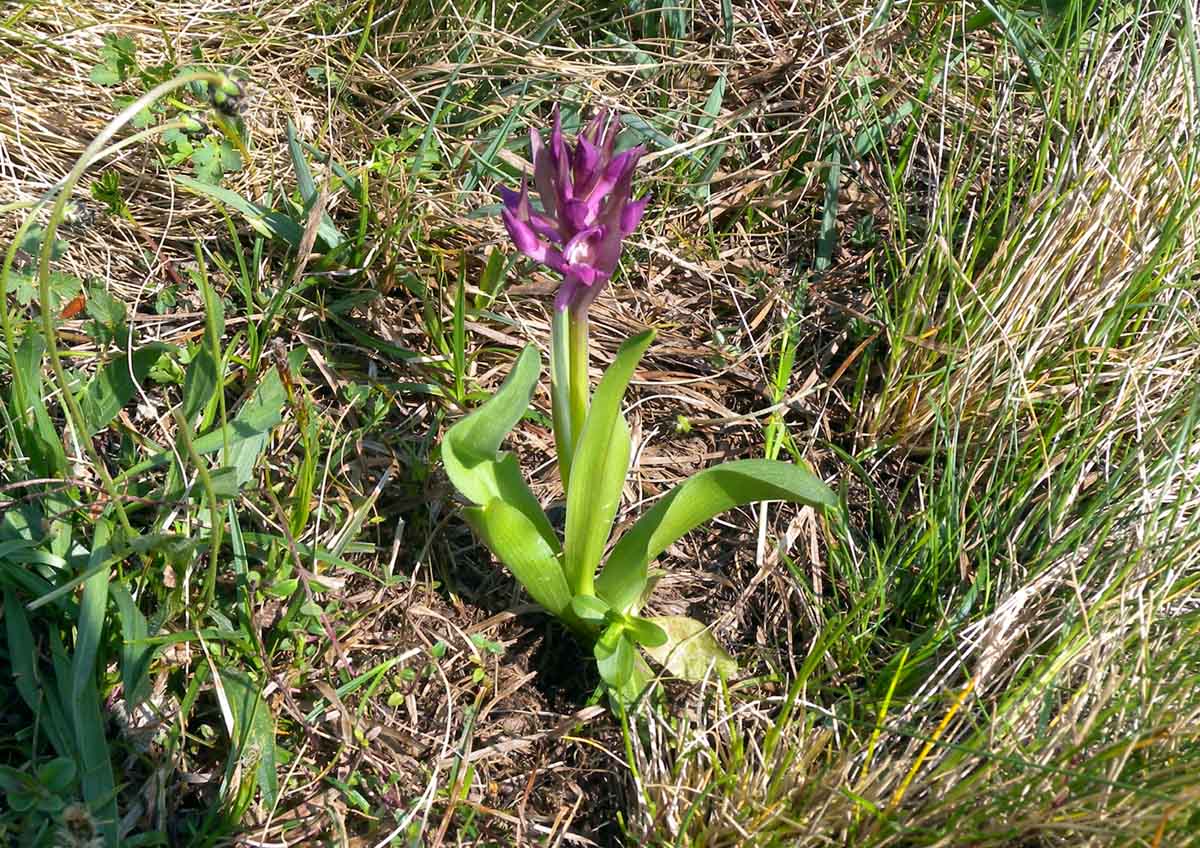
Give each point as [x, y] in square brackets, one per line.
[587, 210]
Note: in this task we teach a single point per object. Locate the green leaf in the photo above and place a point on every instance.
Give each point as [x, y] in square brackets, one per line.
[265, 405]
[614, 655]
[266, 222]
[104, 75]
[589, 608]
[690, 649]
[136, 654]
[645, 632]
[112, 386]
[326, 231]
[253, 731]
[516, 542]
[599, 466]
[199, 384]
[470, 449]
[99, 788]
[35, 431]
[57, 775]
[689, 505]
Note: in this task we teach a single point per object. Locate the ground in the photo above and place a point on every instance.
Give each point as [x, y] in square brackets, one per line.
[944, 256]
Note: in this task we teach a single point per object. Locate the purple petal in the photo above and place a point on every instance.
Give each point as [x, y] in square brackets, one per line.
[545, 227]
[632, 213]
[527, 242]
[616, 181]
[607, 251]
[562, 162]
[580, 250]
[543, 173]
[586, 165]
[609, 139]
[595, 127]
[577, 216]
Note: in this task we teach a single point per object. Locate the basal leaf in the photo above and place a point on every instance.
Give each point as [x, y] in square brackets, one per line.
[99, 788]
[136, 654]
[253, 731]
[199, 384]
[690, 650]
[516, 542]
[599, 466]
[690, 504]
[645, 632]
[589, 608]
[471, 449]
[326, 231]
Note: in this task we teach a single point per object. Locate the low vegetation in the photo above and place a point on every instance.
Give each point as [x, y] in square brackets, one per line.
[943, 256]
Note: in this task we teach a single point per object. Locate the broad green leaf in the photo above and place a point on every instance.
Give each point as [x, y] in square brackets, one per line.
[690, 649]
[516, 542]
[104, 75]
[641, 678]
[689, 505]
[253, 731]
[599, 466]
[614, 655]
[99, 788]
[470, 449]
[136, 654]
[646, 633]
[199, 384]
[265, 221]
[265, 405]
[113, 386]
[589, 608]
[57, 775]
[477, 437]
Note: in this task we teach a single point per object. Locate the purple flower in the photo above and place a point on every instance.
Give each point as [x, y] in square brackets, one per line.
[587, 211]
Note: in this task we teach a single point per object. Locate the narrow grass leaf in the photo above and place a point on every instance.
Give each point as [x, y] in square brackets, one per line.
[96, 777]
[22, 656]
[690, 504]
[265, 221]
[136, 653]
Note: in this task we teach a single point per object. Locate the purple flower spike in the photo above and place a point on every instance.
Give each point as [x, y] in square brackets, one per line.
[587, 210]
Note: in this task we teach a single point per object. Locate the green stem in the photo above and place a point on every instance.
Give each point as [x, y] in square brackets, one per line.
[580, 391]
[93, 150]
[560, 381]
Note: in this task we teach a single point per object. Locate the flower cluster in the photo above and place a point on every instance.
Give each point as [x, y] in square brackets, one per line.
[586, 208]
